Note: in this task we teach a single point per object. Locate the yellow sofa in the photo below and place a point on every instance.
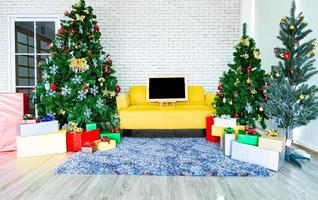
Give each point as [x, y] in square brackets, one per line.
[136, 113]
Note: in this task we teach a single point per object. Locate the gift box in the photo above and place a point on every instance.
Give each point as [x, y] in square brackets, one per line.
[227, 139]
[272, 160]
[29, 121]
[237, 128]
[41, 128]
[52, 143]
[225, 122]
[75, 141]
[105, 144]
[13, 106]
[91, 126]
[88, 147]
[111, 135]
[208, 131]
[217, 130]
[90, 136]
[276, 143]
[248, 139]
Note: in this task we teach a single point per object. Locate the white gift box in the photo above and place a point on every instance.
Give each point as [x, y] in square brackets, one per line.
[42, 144]
[41, 128]
[272, 160]
[225, 122]
[226, 143]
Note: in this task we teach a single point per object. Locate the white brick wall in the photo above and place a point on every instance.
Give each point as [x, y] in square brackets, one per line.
[150, 37]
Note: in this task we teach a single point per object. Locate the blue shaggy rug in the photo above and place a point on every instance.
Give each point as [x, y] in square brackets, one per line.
[160, 157]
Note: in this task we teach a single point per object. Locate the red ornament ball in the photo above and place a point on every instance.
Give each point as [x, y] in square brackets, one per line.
[263, 87]
[53, 87]
[275, 50]
[61, 30]
[221, 95]
[220, 87]
[96, 27]
[266, 98]
[236, 115]
[286, 55]
[118, 89]
[249, 69]
[63, 47]
[85, 86]
[49, 46]
[72, 31]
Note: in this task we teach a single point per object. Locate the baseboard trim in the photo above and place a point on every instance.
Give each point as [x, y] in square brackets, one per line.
[310, 147]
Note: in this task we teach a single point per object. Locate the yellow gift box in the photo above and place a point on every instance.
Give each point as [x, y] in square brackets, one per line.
[217, 131]
[105, 145]
[237, 128]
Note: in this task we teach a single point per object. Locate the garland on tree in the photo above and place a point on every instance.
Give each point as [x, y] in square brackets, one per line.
[292, 102]
[77, 82]
[242, 85]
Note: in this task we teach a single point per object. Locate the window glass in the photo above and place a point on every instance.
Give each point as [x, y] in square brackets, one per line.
[24, 31]
[27, 48]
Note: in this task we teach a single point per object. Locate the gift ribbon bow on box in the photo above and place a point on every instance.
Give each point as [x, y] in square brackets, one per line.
[272, 133]
[250, 130]
[47, 118]
[228, 130]
[105, 139]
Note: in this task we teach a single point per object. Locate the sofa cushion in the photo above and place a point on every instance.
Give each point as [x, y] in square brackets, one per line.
[138, 95]
[195, 96]
[164, 117]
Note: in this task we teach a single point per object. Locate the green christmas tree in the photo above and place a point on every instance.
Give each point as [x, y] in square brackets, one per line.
[292, 102]
[77, 82]
[242, 85]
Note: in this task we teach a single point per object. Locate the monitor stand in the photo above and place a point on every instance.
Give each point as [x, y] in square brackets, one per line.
[167, 103]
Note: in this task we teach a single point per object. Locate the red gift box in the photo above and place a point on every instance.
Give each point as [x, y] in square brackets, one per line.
[75, 141]
[13, 106]
[208, 130]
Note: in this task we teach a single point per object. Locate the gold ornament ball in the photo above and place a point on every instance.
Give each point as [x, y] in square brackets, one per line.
[292, 27]
[261, 109]
[253, 91]
[248, 81]
[277, 75]
[282, 19]
[230, 102]
[302, 97]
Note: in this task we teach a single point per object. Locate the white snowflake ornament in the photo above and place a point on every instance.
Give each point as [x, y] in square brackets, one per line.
[249, 108]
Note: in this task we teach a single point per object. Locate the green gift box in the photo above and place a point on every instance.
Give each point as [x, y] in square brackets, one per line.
[248, 139]
[90, 127]
[111, 135]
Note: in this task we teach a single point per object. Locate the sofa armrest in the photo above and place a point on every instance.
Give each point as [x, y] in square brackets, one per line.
[122, 101]
[209, 99]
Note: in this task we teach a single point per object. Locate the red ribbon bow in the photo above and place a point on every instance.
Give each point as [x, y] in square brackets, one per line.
[250, 130]
[105, 139]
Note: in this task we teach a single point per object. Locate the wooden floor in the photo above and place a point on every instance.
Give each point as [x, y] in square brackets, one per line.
[32, 178]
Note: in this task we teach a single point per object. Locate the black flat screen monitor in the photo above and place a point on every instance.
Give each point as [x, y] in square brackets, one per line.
[167, 89]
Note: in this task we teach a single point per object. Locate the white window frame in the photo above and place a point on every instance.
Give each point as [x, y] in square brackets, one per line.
[11, 44]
